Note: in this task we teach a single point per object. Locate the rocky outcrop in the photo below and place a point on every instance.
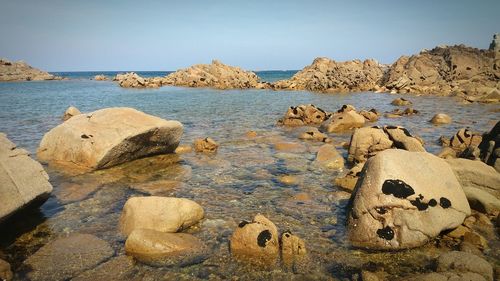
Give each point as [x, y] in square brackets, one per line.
[304, 115]
[20, 71]
[66, 257]
[205, 145]
[343, 121]
[165, 249]
[70, 112]
[465, 143]
[109, 137]
[133, 80]
[326, 75]
[403, 199]
[101, 77]
[164, 214]
[445, 70]
[23, 180]
[215, 75]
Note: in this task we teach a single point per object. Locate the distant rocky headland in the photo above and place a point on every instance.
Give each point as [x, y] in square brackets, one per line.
[21, 71]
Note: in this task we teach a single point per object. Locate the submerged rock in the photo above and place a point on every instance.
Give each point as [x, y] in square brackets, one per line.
[165, 249]
[23, 181]
[403, 200]
[21, 71]
[108, 137]
[441, 118]
[293, 250]
[66, 257]
[329, 157]
[205, 145]
[304, 115]
[401, 102]
[119, 268]
[133, 80]
[256, 242]
[70, 112]
[314, 134]
[461, 262]
[164, 214]
[366, 142]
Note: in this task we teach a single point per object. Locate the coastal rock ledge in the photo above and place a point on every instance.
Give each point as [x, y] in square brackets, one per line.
[21, 71]
[108, 137]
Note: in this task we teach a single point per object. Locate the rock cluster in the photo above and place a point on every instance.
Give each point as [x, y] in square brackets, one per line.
[302, 115]
[445, 70]
[101, 77]
[20, 71]
[403, 199]
[23, 181]
[215, 75]
[325, 75]
[133, 80]
[465, 143]
[109, 137]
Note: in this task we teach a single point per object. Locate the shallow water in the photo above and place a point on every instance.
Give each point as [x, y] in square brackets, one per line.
[241, 180]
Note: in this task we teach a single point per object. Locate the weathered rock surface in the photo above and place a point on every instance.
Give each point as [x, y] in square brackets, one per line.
[215, 75]
[440, 118]
[402, 139]
[116, 269]
[328, 157]
[343, 121]
[165, 249]
[304, 115]
[403, 200]
[22, 179]
[5, 272]
[66, 257]
[109, 137]
[205, 145]
[490, 147]
[366, 142]
[101, 77]
[349, 181]
[20, 71]
[325, 75]
[256, 242]
[293, 250]
[133, 80]
[461, 262]
[313, 134]
[164, 214]
[70, 112]
[444, 70]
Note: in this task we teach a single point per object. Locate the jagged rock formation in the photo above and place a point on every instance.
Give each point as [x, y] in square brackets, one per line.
[215, 75]
[133, 80]
[21, 71]
[445, 70]
[326, 75]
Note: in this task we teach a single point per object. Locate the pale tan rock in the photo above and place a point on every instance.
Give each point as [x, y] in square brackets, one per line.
[328, 157]
[20, 71]
[164, 214]
[5, 272]
[402, 139]
[441, 118]
[304, 115]
[101, 77]
[116, 269]
[108, 137]
[401, 102]
[181, 149]
[205, 145]
[293, 250]
[289, 179]
[461, 262]
[366, 142]
[343, 122]
[165, 249]
[314, 134]
[23, 181]
[290, 147]
[70, 112]
[251, 134]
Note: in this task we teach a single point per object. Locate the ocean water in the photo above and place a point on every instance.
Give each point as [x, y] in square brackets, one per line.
[239, 181]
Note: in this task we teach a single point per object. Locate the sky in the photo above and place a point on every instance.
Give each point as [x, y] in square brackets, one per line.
[90, 35]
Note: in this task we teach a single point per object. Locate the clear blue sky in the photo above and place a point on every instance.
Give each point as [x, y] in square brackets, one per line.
[66, 35]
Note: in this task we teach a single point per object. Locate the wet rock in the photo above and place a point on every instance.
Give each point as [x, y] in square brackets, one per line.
[401, 102]
[119, 268]
[256, 242]
[181, 149]
[441, 118]
[402, 139]
[328, 157]
[66, 257]
[461, 262]
[205, 145]
[108, 137]
[325, 75]
[368, 276]
[289, 179]
[304, 115]
[73, 192]
[165, 249]
[393, 205]
[398, 112]
[164, 214]
[370, 116]
[21, 71]
[490, 147]
[301, 197]
[314, 134]
[458, 232]
[290, 147]
[159, 187]
[293, 251]
[215, 75]
[133, 80]
[366, 142]
[343, 121]
[5, 272]
[23, 181]
[101, 77]
[475, 239]
[349, 181]
[70, 112]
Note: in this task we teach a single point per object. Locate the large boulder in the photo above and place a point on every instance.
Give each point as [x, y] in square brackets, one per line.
[256, 242]
[165, 249]
[403, 199]
[366, 142]
[343, 121]
[109, 137]
[326, 75]
[165, 214]
[22, 180]
[303, 115]
[66, 257]
[21, 71]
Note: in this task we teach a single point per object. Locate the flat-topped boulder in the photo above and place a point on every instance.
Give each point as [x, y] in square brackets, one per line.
[109, 137]
[326, 75]
[215, 75]
[22, 179]
[21, 71]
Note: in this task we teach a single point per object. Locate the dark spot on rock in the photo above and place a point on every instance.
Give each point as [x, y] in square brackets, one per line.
[444, 202]
[467, 133]
[386, 233]
[310, 133]
[263, 237]
[468, 68]
[421, 206]
[84, 136]
[295, 110]
[375, 127]
[381, 210]
[391, 127]
[398, 188]
[318, 116]
[432, 203]
[243, 223]
[341, 117]
[405, 131]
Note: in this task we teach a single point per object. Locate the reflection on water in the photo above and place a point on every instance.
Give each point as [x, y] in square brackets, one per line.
[240, 180]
